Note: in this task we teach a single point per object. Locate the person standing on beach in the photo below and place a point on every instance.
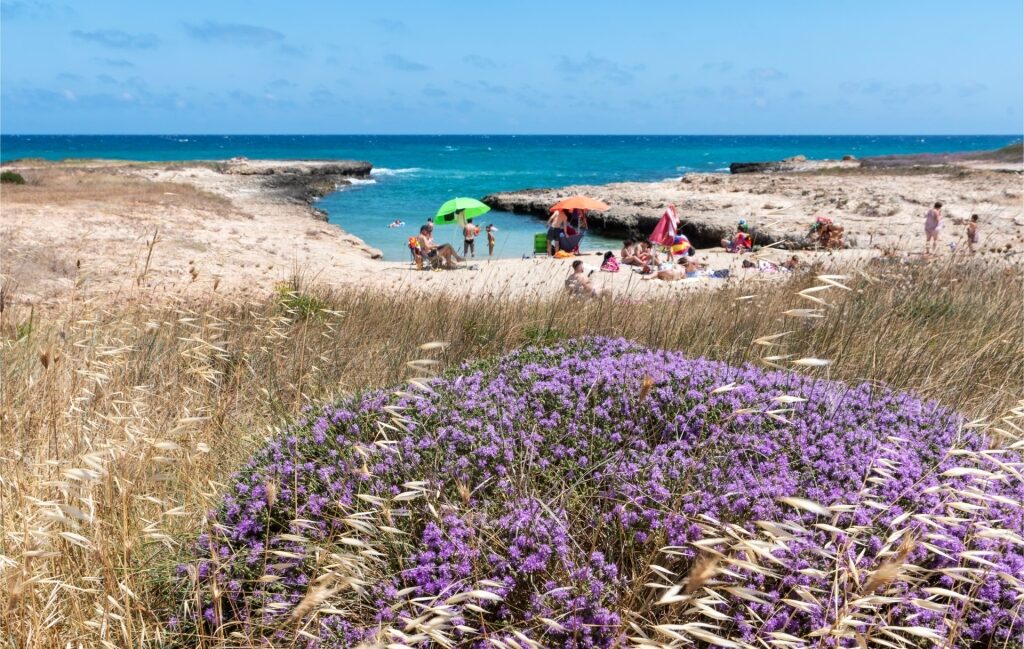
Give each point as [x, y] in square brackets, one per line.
[490, 239]
[972, 233]
[932, 225]
[469, 232]
[556, 226]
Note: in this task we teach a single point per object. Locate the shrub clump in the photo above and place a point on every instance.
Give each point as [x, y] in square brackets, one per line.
[12, 177]
[597, 494]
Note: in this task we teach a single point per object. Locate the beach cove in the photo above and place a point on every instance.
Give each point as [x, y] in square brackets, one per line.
[413, 175]
[190, 230]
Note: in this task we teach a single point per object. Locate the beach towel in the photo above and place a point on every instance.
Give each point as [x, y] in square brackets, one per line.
[561, 254]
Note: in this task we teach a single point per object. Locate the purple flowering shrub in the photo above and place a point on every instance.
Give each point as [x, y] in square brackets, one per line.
[598, 494]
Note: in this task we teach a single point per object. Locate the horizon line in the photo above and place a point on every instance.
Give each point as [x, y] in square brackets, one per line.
[1018, 135]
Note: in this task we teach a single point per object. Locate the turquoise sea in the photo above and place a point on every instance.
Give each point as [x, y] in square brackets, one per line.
[414, 174]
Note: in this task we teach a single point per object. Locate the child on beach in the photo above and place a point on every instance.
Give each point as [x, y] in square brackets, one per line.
[972, 233]
[469, 233]
[932, 225]
[490, 239]
[610, 264]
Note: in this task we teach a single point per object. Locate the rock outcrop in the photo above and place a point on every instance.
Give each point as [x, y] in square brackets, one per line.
[756, 167]
[1009, 158]
[302, 181]
[633, 215]
[795, 164]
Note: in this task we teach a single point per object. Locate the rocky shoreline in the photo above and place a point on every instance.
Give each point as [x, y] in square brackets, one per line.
[302, 181]
[880, 201]
[172, 228]
[637, 207]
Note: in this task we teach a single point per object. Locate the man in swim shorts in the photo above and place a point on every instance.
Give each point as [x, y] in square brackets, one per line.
[556, 226]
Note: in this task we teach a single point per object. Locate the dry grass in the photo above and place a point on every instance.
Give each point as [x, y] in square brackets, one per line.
[118, 188]
[116, 427]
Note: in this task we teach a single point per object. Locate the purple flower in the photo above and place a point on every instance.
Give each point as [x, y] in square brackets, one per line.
[544, 479]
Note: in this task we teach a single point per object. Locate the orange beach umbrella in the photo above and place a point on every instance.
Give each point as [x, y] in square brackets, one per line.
[580, 203]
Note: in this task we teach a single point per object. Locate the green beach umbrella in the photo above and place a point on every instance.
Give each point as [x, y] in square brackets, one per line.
[471, 208]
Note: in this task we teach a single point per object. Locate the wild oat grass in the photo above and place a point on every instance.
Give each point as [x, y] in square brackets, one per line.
[119, 425]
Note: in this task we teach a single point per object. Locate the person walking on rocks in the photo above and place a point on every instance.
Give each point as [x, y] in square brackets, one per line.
[932, 225]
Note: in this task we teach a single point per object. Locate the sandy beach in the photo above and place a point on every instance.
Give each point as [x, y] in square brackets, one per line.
[109, 231]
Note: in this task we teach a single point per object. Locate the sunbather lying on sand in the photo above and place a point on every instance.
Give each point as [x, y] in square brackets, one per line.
[669, 274]
[683, 270]
[689, 269]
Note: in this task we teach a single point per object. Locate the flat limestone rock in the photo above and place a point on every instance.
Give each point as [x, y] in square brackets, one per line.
[303, 181]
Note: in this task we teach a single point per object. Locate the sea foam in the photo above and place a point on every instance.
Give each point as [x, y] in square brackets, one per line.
[384, 171]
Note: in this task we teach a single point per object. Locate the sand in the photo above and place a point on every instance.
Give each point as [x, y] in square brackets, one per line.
[109, 231]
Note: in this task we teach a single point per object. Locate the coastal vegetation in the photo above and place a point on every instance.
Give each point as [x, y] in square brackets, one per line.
[122, 429]
[12, 178]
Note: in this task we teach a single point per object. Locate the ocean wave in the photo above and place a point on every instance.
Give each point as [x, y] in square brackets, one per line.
[359, 181]
[384, 171]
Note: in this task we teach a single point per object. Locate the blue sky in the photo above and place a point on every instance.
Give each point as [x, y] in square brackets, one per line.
[802, 67]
